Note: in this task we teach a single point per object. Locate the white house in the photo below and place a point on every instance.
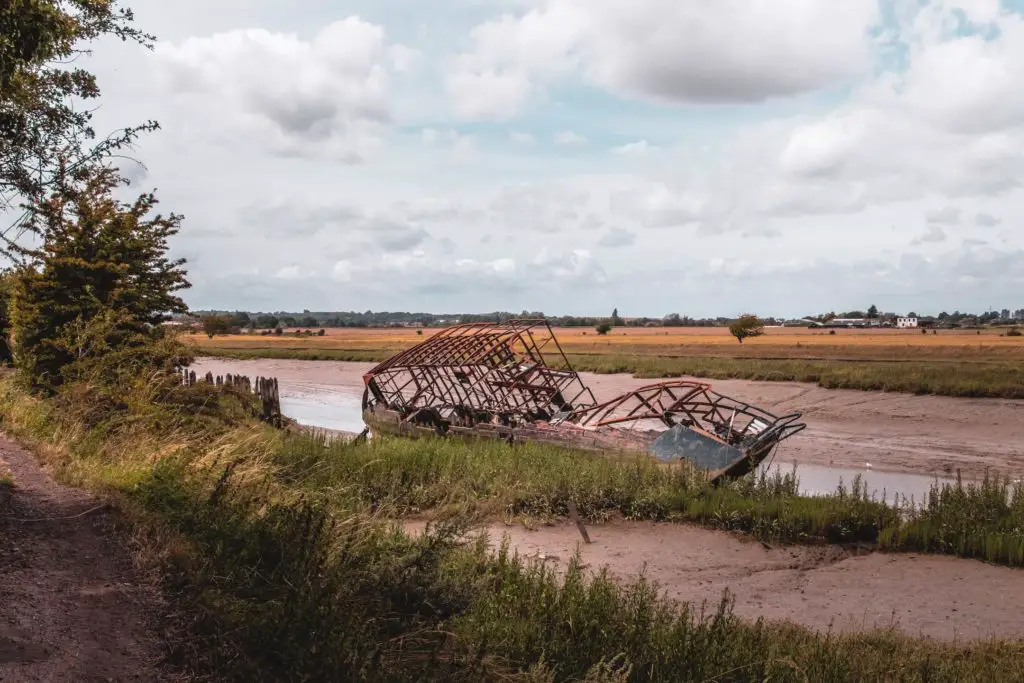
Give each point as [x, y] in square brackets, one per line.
[906, 323]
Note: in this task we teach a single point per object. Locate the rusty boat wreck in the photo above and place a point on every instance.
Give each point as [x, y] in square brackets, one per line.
[512, 381]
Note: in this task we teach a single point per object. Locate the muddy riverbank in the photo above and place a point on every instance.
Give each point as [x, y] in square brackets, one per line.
[848, 432]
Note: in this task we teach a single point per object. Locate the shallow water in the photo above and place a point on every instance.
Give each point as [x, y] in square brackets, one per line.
[817, 481]
[327, 409]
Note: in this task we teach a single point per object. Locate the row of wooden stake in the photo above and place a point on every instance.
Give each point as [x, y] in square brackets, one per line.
[265, 388]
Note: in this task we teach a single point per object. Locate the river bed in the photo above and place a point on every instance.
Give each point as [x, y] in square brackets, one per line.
[328, 394]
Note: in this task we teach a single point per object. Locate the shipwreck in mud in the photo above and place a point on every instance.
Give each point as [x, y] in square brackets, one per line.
[512, 381]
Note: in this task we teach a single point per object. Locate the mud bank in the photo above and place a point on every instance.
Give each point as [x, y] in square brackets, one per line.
[852, 431]
[826, 587]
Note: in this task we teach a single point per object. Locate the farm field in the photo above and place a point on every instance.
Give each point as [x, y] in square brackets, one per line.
[949, 362]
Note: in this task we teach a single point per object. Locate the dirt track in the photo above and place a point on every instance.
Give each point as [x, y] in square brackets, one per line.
[71, 606]
[931, 435]
[821, 587]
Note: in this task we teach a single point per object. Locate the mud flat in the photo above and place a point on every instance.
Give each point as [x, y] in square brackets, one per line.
[944, 598]
[851, 431]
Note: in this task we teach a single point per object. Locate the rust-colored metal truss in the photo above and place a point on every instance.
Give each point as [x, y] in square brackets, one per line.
[694, 406]
[476, 369]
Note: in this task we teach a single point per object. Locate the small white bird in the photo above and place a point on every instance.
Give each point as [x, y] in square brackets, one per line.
[868, 465]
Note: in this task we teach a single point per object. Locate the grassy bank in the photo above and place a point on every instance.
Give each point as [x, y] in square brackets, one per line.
[283, 568]
[943, 377]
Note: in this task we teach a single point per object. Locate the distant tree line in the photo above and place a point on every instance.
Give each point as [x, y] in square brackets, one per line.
[321, 319]
[243, 320]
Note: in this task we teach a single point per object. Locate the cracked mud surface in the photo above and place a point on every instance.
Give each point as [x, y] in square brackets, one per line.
[819, 587]
[72, 608]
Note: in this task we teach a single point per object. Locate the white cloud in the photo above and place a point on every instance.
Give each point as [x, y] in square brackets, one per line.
[932, 235]
[568, 137]
[725, 51]
[504, 265]
[461, 148]
[640, 148]
[488, 95]
[986, 220]
[966, 83]
[521, 138]
[329, 95]
[812, 199]
[617, 237]
[294, 272]
[949, 215]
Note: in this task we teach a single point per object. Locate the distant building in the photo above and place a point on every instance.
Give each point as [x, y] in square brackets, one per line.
[905, 323]
[853, 322]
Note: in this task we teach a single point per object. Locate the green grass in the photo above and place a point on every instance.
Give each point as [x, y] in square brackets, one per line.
[940, 377]
[984, 521]
[993, 379]
[407, 477]
[282, 564]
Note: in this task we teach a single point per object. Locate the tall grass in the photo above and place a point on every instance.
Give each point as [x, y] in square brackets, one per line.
[283, 568]
[406, 477]
[983, 520]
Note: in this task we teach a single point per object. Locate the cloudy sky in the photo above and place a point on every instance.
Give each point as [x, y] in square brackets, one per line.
[569, 156]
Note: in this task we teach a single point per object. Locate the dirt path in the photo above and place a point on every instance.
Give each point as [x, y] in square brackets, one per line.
[71, 606]
[930, 435]
[921, 595]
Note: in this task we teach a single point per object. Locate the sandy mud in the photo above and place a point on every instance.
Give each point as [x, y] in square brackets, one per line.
[943, 598]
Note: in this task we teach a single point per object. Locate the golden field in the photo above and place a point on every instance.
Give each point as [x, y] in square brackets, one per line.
[949, 363]
[705, 342]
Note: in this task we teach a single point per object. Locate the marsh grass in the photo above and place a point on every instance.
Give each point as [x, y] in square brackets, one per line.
[283, 565]
[941, 377]
[407, 477]
[982, 520]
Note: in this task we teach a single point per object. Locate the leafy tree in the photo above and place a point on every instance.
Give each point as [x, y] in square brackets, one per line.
[97, 255]
[45, 132]
[216, 324]
[603, 328]
[747, 325]
[266, 322]
[873, 311]
[310, 321]
[616, 321]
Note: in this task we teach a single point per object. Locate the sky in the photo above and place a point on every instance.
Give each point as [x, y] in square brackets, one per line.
[571, 156]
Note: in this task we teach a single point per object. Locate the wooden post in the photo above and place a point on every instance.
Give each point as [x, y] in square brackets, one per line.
[574, 515]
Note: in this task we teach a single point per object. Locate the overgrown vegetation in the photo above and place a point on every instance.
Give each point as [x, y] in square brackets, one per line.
[100, 279]
[269, 538]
